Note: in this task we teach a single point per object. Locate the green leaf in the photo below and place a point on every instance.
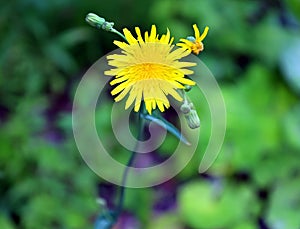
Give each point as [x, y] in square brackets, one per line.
[210, 205]
[294, 6]
[165, 221]
[161, 121]
[292, 127]
[60, 57]
[73, 37]
[283, 211]
[6, 223]
[289, 65]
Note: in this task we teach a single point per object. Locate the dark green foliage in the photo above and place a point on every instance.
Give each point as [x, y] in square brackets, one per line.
[45, 46]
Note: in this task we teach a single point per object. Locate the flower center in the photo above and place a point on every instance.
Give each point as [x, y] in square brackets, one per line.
[151, 71]
[148, 67]
[197, 47]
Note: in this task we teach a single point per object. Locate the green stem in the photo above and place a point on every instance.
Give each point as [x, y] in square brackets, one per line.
[120, 34]
[141, 125]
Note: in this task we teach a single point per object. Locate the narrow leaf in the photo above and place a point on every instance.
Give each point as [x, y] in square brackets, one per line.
[161, 121]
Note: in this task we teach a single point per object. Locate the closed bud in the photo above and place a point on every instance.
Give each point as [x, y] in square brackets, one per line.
[187, 88]
[191, 38]
[189, 111]
[193, 119]
[94, 20]
[107, 26]
[185, 108]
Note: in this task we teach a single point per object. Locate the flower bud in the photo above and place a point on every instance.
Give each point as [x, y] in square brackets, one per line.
[189, 111]
[193, 119]
[187, 88]
[94, 20]
[192, 106]
[191, 38]
[107, 26]
[185, 108]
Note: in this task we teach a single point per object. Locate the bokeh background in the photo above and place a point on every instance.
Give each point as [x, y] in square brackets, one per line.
[253, 50]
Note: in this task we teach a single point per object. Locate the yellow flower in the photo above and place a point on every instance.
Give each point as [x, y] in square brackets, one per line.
[148, 70]
[194, 44]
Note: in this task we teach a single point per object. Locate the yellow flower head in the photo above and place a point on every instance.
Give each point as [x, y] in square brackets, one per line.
[194, 44]
[148, 70]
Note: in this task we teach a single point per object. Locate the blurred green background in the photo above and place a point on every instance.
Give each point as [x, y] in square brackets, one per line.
[253, 49]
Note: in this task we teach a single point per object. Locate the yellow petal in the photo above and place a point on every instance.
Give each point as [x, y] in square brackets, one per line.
[129, 37]
[196, 30]
[171, 40]
[204, 34]
[189, 43]
[120, 44]
[146, 36]
[174, 94]
[148, 104]
[184, 46]
[165, 38]
[186, 81]
[138, 33]
[138, 100]
[152, 34]
[118, 80]
[178, 54]
[185, 64]
[187, 71]
[131, 98]
[153, 104]
[122, 94]
[119, 88]
[160, 105]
